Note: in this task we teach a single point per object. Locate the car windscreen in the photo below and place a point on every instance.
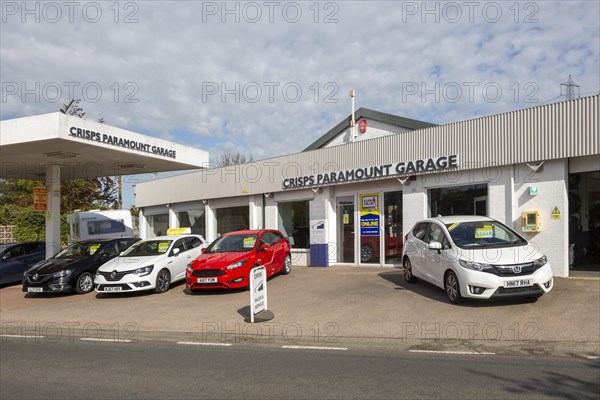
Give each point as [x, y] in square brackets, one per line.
[483, 234]
[232, 243]
[148, 248]
[4, 247]
[79, 250]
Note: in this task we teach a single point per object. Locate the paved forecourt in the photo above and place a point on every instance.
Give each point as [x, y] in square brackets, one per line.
[340, 305]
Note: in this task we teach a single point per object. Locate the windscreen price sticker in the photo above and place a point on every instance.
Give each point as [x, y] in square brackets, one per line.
[484, 233]
[258, 291]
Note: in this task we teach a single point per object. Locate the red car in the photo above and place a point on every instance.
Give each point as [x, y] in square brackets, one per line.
[227, 262]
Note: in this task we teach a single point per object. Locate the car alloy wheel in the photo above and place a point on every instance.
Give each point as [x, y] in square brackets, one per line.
[85, 283]
[163, 281]
[452, 288]
[408, 273]
[287, 265]
[366, 253]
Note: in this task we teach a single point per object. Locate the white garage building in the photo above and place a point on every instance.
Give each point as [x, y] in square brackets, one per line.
[351, 196]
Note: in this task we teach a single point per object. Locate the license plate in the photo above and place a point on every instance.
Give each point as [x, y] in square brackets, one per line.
[113, 288]
[207, 280]
[35, 289]
[518, 283]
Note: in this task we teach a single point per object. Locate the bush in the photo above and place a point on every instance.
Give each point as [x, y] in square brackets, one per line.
[31, 226]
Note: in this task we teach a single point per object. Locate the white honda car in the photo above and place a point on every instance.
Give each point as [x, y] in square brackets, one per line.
[475, 257]
[149, 264]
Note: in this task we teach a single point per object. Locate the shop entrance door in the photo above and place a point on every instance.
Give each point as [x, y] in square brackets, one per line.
[345, 229]
[370, 228]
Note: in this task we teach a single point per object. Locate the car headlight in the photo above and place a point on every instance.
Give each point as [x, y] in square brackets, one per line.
[475, 266]
[144, 270]
[236, 265]
[63, 273]
[189, 267]
[540, 262]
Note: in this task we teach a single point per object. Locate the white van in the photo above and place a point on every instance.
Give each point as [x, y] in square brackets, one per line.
[99, 224]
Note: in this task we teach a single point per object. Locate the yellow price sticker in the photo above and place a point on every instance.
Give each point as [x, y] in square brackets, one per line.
[249, 242]
[94, 248]
[484, 233]
[163, 247]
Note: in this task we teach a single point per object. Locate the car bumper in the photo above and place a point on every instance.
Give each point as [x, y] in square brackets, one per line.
[129, 283]
[229, 280]
[56, 285]
[497, 287]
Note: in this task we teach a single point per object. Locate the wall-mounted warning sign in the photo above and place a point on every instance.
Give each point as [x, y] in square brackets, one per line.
[556, 213]
[40, 198]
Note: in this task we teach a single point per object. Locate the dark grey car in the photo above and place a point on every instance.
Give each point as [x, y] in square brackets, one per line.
[16, 258]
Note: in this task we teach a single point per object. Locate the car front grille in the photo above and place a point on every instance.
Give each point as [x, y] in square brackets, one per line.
[515, 269]
[118, 275]
[212, 284]
[526, 289]
[208, 272]
[40, 278]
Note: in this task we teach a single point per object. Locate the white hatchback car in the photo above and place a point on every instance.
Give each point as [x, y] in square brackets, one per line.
[149, 264]
[475, 257]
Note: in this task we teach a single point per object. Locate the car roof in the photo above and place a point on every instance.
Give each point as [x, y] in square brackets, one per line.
[173, 237]
[102, 240]
[250, 232]
[449, 219]
[244, 232]
[18, 243]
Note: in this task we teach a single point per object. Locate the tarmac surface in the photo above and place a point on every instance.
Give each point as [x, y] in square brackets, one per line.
[358, 307]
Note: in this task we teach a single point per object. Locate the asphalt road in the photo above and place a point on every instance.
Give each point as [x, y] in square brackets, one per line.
[72, 368]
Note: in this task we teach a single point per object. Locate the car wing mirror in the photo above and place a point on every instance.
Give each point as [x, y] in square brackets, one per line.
[435, 246]
[175, 252]
[263, 247]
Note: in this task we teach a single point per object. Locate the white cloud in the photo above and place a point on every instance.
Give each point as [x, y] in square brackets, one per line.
[170, 58]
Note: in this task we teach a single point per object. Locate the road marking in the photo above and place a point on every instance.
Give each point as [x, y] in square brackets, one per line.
[24, 336]
[85, 339]
[453, 352]
[593, 357]
[314, 348]
[205, 344]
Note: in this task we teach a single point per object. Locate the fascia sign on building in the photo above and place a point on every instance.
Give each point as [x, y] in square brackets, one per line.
[381, 171]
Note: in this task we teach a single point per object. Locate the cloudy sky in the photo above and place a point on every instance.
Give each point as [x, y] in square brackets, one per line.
[268, 78]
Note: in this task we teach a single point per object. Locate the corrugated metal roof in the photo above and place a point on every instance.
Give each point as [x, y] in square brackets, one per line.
[554, 131]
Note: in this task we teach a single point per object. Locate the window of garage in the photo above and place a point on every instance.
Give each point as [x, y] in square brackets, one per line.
[232, 219]
[459, 200]
[194, 219]
[157, 225]
[293, 223]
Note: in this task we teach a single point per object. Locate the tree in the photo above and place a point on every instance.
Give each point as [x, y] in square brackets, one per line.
[16, 204]
[78, 194]
[228, 158]
[75, 109]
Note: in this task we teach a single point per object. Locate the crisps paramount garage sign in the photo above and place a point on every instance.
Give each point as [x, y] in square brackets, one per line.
[121, 142]
[381, 171]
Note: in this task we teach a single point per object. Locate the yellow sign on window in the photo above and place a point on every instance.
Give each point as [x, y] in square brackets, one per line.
[163, 247]
[484, 233]
[94, 248]
[249, 242]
